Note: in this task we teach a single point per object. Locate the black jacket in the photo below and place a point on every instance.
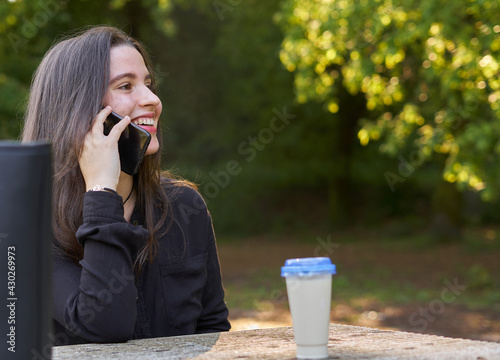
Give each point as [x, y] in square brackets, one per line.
[179, 293]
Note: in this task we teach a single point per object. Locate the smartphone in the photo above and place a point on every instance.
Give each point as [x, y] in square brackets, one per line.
[132, 144]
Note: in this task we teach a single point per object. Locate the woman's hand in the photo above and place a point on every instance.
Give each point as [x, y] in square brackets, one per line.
[99, 160]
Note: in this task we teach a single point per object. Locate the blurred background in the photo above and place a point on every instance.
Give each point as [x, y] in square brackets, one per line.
[363, 130]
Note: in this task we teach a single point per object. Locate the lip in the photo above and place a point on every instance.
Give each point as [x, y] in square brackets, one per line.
[150, 129]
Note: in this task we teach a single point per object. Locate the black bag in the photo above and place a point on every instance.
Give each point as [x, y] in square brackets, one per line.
[25, 251]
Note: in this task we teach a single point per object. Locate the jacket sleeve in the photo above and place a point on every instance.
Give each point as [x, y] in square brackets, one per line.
[213, 317]
[97, 300]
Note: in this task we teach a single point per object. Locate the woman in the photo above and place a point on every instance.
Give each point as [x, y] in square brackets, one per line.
[135, 255]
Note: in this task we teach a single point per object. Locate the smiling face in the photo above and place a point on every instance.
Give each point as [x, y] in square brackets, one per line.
[130, 91]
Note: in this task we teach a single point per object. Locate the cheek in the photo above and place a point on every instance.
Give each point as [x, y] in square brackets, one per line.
[113, 101]
[159, 109]
[106, 100]
[120, 104]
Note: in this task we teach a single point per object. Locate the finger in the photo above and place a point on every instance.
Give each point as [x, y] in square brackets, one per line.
[117, 130]
[98, 126]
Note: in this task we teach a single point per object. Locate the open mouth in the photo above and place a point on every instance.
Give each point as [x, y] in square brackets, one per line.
[146, 123]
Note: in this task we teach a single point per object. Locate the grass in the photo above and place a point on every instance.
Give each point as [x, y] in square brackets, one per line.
[390, 270]
[259, 290]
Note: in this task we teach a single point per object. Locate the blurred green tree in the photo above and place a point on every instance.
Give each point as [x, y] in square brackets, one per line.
[422, 80]
[428, 71]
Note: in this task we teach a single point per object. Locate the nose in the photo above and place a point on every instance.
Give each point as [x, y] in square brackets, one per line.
[148, 97]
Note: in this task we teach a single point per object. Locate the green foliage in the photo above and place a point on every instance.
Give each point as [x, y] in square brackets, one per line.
[427, 69]
[421, 80]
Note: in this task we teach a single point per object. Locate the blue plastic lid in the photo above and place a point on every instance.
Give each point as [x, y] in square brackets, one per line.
[308, 267]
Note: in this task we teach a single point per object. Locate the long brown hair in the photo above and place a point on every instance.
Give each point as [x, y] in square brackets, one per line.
[66, 95]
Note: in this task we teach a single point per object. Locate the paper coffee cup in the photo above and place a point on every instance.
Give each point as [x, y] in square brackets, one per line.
[309, 287]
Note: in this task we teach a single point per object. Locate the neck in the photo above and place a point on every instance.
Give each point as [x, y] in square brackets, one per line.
[124, 188]
[125, 184]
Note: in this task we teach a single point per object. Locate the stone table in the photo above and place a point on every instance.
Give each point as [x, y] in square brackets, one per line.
[345, 342]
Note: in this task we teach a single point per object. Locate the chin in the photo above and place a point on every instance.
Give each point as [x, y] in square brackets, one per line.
[153, 147]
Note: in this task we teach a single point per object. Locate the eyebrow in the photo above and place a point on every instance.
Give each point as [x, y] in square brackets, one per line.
[128, 75]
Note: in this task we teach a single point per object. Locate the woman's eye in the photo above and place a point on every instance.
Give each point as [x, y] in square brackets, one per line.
[151, 87]
[124, 87]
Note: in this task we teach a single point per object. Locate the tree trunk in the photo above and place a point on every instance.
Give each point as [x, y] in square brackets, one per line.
[447, 208]
[341, 193]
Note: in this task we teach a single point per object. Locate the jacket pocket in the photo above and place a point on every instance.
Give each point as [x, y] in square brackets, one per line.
[182, 287]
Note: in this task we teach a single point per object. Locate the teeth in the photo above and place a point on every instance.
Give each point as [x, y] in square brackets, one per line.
[144, 121]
